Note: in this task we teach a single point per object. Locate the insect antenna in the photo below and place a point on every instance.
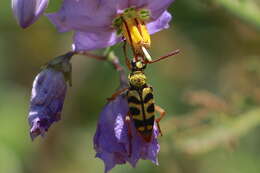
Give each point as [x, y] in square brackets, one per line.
[175, 52]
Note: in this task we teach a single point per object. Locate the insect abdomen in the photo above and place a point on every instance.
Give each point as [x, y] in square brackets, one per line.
[135, 105]
[148, 102]
[141, 107]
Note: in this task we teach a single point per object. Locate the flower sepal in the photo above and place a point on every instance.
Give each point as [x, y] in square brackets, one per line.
[62, 63]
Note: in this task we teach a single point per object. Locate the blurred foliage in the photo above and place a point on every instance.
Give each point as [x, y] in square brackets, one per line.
[211, 93]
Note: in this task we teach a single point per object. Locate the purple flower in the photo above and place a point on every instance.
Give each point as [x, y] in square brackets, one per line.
[95, 22]
[28, 11]
[112, 142]
[48, 94]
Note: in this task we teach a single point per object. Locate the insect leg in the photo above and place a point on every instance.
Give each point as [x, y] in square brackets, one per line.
[117, 93]
[162, 112]
[128, 121]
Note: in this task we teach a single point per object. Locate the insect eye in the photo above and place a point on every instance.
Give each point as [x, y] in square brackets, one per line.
[133, 64]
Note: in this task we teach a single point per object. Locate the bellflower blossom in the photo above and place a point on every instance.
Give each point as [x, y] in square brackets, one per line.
[97, 22]
[112, 141]
[48, 94]
[28, 11]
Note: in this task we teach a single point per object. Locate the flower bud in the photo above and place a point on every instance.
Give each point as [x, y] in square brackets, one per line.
[48, 94]
[28, 11]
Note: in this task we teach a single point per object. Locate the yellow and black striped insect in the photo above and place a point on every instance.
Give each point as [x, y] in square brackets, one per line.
[141, 99]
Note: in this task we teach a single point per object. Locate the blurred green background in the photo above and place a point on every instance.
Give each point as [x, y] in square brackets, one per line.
[211, 93]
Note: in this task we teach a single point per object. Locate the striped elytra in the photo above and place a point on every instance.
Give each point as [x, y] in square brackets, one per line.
[141, 108]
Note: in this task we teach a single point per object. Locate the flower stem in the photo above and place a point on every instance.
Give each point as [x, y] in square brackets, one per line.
[110, 56]
[90, 55]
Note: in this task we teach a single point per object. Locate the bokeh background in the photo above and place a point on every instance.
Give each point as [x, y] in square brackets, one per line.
[211, 93]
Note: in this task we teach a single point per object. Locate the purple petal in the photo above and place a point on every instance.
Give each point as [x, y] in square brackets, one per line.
[84, 41]
[48, 94]
[111, 159]
[119, 128]
[157, 8]
[123, 4]
[142, 149]
[84, 15]
[105, 142]
[138, 3]
[112, 141]
[161, 23]
[28, 11]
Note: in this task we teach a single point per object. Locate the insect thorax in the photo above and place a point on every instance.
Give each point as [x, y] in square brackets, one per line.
[137, 79]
